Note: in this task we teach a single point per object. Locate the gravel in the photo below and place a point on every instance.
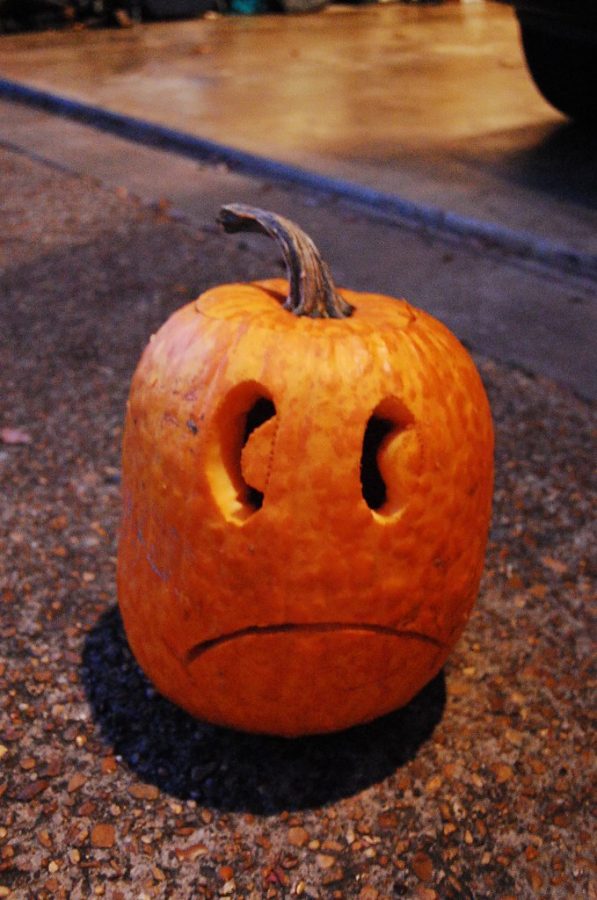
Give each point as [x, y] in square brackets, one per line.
[480, 788]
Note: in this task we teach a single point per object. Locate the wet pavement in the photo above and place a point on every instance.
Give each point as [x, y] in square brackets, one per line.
[431, 104]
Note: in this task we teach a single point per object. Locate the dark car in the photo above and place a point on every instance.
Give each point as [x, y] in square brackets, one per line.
[559, 38]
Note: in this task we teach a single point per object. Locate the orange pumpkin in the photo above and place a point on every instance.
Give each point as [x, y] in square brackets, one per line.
[307, 478]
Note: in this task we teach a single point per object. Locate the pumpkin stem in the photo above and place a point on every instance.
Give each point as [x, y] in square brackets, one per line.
[311, 289]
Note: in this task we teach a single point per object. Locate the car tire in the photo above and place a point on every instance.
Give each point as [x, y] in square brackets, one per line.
[564, 70]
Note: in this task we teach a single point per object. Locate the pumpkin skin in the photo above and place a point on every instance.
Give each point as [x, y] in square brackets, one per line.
[258, 587]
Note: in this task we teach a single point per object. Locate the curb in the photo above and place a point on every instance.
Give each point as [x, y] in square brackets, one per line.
[514, 243]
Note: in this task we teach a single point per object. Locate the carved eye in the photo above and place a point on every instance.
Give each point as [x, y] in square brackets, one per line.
[388, 438]
[374, 488]
[240, 456]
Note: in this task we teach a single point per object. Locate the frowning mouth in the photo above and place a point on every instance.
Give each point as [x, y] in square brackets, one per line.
[197, 650]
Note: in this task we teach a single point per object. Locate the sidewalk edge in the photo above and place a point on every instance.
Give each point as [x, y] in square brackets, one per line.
[515, 243]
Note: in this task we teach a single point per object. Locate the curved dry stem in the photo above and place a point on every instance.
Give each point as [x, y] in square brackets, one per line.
[311, 289]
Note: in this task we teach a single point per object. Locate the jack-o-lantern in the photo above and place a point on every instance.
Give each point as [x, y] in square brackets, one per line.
[307, 478]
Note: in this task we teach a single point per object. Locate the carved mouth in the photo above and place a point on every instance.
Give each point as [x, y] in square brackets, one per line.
[197, 650]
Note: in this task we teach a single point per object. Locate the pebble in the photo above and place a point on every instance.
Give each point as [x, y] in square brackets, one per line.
[422, 866]
[75, 782]
[109, 765]
[433, 784]
[103, 835]
[503, 772]
[425, 893]
[44, 838]
[297, 836]
[368, 892]
[144, 791]
[32, 790]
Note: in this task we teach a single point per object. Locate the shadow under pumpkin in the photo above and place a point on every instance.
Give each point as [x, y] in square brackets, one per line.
[233, 771]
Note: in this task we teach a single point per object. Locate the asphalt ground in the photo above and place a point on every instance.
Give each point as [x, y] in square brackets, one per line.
[480, 788]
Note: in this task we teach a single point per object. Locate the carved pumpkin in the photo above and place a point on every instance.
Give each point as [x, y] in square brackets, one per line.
[307, 479]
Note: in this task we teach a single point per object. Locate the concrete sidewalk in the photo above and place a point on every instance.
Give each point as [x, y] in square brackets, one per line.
[505, 306]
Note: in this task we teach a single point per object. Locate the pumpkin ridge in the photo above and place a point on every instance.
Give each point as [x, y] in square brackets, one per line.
[202, 647]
